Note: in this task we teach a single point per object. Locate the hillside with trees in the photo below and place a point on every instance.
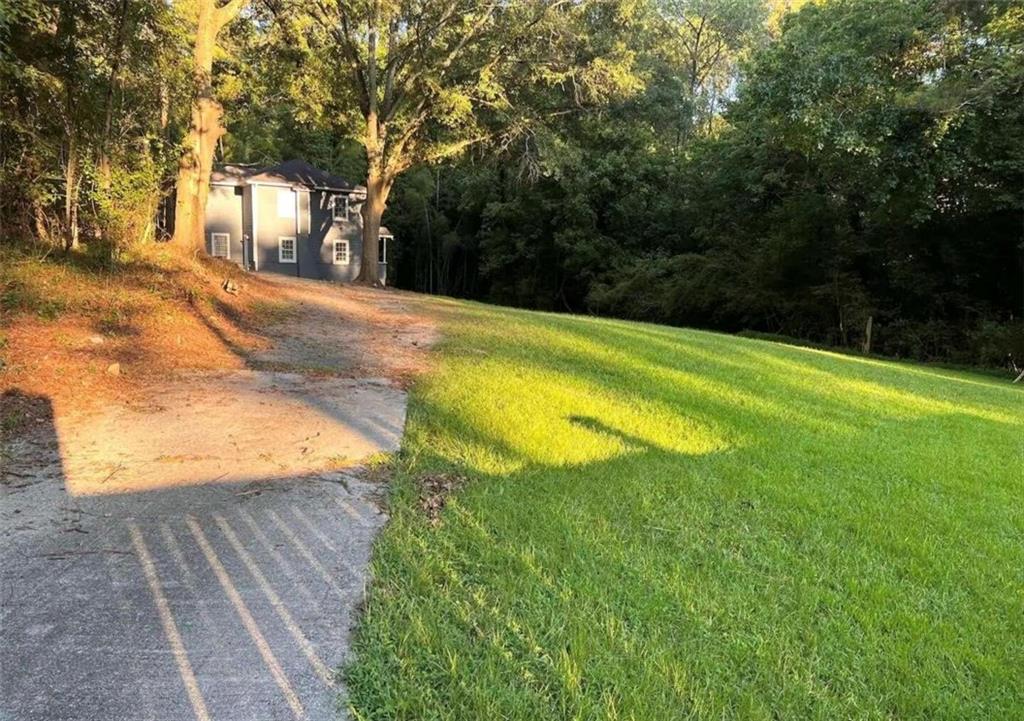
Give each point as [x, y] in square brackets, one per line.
[849, 172]
[862, 163]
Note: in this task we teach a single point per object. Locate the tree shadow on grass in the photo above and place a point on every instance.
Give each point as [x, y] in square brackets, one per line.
[667, 583]
[817, 537]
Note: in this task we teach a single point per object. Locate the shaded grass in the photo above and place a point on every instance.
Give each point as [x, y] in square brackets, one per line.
[666, 524]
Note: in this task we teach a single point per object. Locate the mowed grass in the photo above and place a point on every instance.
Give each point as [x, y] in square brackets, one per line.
[671, 524]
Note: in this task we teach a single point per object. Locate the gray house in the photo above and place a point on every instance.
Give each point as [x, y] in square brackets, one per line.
[289, 218]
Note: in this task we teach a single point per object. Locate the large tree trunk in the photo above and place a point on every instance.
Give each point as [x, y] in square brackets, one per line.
[378, 181]
[196, 161]
[378, 187]
[194, 170]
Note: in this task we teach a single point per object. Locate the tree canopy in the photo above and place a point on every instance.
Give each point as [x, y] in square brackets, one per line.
[809, 169]
[863, 161]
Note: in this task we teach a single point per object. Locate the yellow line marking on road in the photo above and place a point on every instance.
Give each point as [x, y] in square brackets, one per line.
[247, 620]
[305, 552]
[170, 627]
[282, 611]
[283, 562]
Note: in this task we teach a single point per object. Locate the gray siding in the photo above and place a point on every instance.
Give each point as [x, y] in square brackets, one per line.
[271, 227]
[250, 215]
[325, 230]
[224, 215]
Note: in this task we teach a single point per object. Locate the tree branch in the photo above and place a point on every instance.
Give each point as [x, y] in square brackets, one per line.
[224, 14]
[344, 39]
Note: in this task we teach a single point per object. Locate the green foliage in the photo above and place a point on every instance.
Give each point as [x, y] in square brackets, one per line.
[125, 206]
[869, 164]
[780, 166]
[91, 92]
[672, 524]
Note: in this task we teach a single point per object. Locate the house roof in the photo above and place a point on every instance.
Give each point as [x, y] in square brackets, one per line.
[299, 172]
[290, 172]
[233, 173]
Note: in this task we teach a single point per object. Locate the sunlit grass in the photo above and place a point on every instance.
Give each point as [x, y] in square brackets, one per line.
[665, 524]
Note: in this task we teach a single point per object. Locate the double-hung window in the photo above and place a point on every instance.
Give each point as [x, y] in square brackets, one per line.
[286, 250]
[341, 252]
[220, 245]
[339, 207]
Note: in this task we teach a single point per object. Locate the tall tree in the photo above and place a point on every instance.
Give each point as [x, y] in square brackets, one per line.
[703, 41]
[206, 127]
[81, 157]
[427, 79]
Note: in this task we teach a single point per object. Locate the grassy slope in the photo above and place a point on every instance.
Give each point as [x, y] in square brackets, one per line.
[65, 319]
[668, 524]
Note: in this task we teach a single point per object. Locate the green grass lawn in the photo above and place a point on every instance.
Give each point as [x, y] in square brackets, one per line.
[670, 524]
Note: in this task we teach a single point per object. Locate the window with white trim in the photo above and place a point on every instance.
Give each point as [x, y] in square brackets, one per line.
[220, 245]
[285, 203]
[341, 252]
[339, 207]
[286, 250]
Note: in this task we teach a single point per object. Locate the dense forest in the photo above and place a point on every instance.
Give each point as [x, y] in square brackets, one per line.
[846, 172]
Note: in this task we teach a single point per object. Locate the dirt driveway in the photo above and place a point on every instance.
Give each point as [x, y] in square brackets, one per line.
[200, 552]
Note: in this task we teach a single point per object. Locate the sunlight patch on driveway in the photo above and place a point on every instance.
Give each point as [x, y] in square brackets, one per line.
[229, 428]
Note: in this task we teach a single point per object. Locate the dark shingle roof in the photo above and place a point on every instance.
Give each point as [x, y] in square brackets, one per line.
[290, 172]
[299, 172]
[233, 173]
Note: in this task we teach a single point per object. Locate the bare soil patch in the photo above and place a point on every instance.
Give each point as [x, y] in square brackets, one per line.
[434, 492]
[348, 330]
[130, 365]
[83, 336]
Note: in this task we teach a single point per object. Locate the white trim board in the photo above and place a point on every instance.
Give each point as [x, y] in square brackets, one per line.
[255, 209]
[259, 183]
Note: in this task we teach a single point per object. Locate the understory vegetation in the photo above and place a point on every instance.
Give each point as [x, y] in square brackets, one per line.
[653, 523]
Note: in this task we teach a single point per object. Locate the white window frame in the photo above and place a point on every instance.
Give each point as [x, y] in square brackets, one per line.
[227, 245]
[280, 249]
[334, 252]
[334, 207]
[287, 200]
